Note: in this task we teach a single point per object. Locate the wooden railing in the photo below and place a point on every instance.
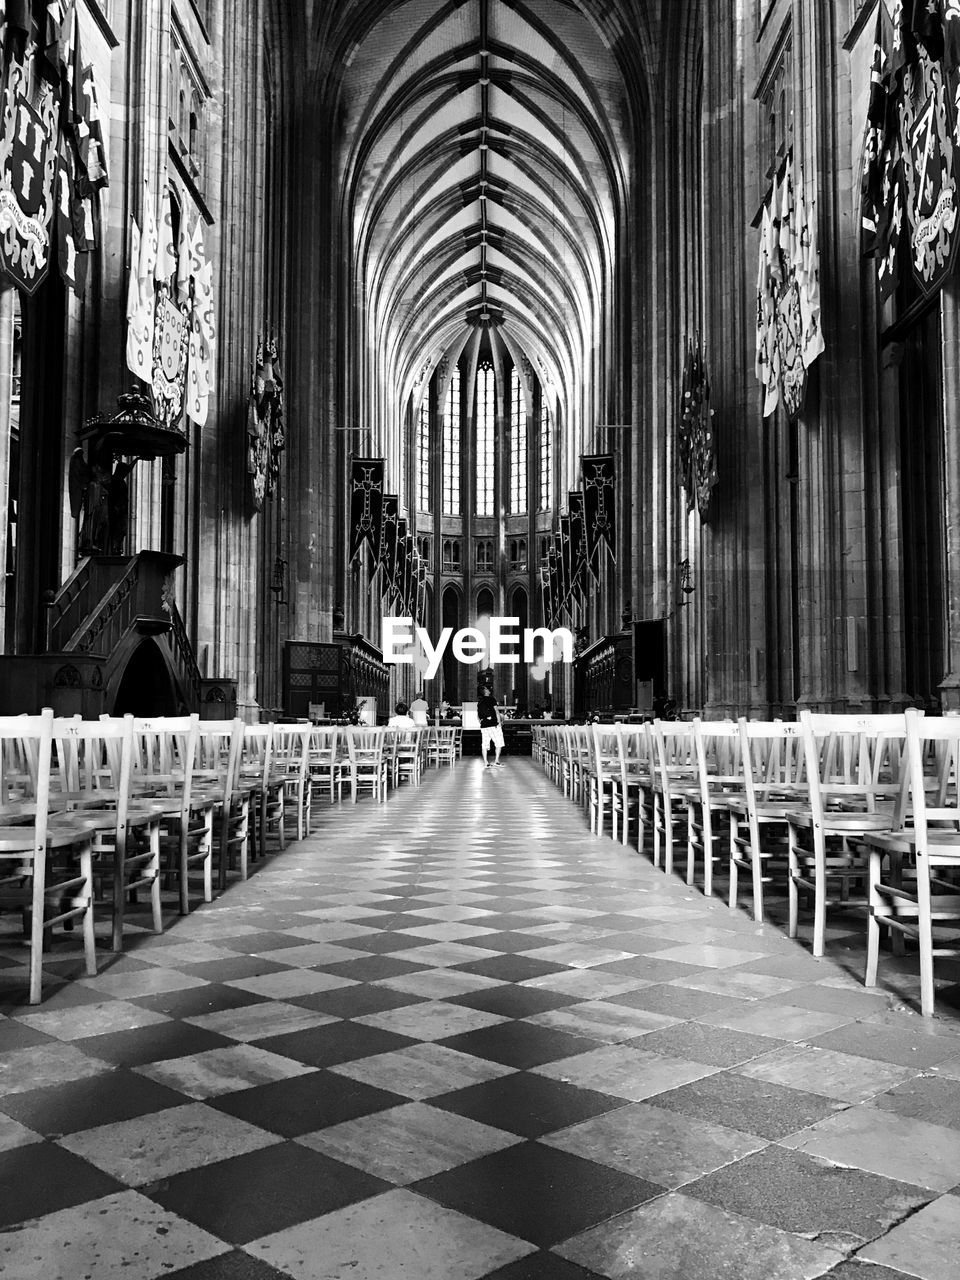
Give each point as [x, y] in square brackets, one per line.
[105, 627]
[181, 651]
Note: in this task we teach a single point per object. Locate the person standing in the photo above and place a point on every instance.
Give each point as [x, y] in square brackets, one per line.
[491, 730]
[419, 710]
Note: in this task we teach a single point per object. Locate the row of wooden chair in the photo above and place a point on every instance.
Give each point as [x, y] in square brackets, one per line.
[124, 804]
[860, 810]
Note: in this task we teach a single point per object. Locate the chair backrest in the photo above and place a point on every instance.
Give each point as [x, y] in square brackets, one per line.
[936, 737]
[324, 745]
[365, 746]
[718, 754]
[290, 754]
[97, 756]
[215, 740]
[164, 753]
[30, 738]
[771, 758]
[635, 754]
[605, 743]
[257, 752]
[676, 752]
[841, 754]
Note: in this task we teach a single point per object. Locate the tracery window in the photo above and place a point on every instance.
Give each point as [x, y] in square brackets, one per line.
[518, 448]
[546, 458]
[518, 553]
[484, 556]
[452, 562]
[485, 418]
[423, 456]
[451, 448]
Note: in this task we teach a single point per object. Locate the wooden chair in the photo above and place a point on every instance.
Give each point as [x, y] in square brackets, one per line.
[719, 781]
[930, 842]
[164, 786]
[46, 865]
[365, 763]
[772, 763]
[633, 791]
[602, 775]
[847, 802]
[325, 763]
[290, 771]
[267, 793]
[408, 756]
[96, 767]
[675, 780]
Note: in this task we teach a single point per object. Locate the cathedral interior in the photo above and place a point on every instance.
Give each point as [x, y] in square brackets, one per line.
[629, 321]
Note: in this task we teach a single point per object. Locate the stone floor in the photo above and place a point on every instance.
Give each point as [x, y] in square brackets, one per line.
[456, 1037]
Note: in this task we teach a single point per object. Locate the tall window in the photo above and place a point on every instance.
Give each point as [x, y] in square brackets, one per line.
[485, 439]
[546, 457]
[451, 448]
[518, 448]
[423, 456]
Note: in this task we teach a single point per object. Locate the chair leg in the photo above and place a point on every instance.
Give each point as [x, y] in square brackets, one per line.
[925, 936]
[184, 849]
[820, 894]
[691, 843]
[154, 865]
[874, 909]
[793, 871]
[119, 891]
[207, 847]
[36, 928]
[734, 869]
[707, 853]
[89, 940]
[756, 872]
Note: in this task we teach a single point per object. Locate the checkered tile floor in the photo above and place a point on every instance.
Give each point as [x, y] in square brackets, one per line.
[456, 1037]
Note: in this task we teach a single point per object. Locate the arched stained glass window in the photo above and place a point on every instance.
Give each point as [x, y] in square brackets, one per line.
[423, 456]
[485, 417]
[518, 448]
[546, 457]
[451, 448]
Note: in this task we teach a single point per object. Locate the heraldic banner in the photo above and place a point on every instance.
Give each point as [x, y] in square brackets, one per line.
[911, 201]
[52, 162]
[599, 504]
[388, 542]
[578, 543]
[400, 573]
[366, 504]
[789, 332]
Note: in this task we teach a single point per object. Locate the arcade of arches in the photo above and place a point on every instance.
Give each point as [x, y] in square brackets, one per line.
[452, 1033]
[482, 234]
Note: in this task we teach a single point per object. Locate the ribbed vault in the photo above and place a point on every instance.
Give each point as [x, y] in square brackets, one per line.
[485, 178]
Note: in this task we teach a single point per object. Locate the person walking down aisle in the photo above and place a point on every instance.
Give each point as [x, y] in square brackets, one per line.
[491, 731]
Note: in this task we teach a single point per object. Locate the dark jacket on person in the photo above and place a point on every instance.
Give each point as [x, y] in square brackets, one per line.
[487, 711]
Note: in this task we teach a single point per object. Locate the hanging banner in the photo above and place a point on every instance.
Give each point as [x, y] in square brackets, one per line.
[171, 336]
[400, 569]
[52, 161]
[28, 166]
[388, 543]
[599, 504]
[695, 445]
[578, 544]
[911, 197]
[366, 504]
[553, 586]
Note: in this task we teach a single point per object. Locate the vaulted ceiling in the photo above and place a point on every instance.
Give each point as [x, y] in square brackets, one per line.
[486, 171]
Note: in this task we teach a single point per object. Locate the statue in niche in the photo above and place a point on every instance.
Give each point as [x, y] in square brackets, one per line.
[99, 498]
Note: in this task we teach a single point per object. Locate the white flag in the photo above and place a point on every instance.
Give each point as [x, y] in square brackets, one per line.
[133, 299]
[167, 251]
